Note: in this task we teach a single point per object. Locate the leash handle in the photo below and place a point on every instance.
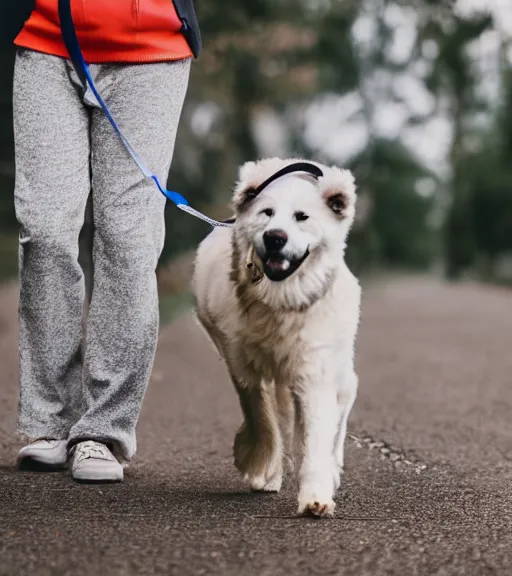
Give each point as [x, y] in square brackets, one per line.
[75, 53]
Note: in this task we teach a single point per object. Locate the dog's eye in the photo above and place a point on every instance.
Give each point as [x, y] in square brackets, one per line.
[268, 212]
[300, 216]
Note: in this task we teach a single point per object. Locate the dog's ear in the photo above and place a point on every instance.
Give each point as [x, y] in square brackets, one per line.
[245, 189]
[244, 197]
[251, 176]
[337, 202]
[339, 192]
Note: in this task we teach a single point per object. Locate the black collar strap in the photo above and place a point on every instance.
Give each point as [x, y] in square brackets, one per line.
[307, 167]
[295, 167]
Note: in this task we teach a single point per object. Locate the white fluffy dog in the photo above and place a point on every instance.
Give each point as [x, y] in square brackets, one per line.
[282, 308]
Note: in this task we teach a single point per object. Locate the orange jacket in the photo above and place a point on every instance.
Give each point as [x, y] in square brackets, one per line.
[110, 30]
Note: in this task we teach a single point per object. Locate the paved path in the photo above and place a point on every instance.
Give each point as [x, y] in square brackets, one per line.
[427, 489]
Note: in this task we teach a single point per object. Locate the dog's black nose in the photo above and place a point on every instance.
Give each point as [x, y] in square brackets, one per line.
[275, 240]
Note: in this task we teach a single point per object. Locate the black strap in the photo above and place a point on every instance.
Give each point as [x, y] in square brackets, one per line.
[295, 167]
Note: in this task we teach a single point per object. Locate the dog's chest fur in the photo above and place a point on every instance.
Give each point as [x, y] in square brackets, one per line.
[265, 343]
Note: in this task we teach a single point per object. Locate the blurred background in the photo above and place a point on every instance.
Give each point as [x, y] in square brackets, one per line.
[415, 96]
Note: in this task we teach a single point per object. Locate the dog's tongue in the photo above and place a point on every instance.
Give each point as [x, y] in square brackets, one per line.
[278, 264]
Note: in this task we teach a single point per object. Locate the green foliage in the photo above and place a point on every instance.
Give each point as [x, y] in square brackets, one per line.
[479, 222]
[397, 232]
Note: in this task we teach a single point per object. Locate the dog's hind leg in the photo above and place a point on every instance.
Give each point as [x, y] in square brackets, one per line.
[258, 446]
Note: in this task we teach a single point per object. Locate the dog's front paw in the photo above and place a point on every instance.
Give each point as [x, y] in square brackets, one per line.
[317, 507]
[316, 497]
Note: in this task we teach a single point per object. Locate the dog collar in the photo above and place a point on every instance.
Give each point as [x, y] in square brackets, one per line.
[295, 167]
[307, 167]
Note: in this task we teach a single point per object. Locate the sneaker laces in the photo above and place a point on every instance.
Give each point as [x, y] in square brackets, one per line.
[91, 449]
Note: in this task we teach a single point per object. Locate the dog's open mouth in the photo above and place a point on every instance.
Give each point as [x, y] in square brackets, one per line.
[277, 268]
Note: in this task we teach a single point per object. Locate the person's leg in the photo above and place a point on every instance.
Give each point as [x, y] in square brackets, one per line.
[51, 128]
[146, 100]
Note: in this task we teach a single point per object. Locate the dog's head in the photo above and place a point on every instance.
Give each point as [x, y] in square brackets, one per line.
[291, 235]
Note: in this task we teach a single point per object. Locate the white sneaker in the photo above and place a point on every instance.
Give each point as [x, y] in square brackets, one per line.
[94, 462]
[43, 455]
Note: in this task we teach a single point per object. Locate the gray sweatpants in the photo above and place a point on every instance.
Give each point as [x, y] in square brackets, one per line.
[88, 380]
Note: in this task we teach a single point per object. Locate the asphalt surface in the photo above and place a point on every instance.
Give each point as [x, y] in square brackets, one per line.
[427, 488]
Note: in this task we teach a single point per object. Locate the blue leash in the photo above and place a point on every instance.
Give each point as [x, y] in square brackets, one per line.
[80, 65]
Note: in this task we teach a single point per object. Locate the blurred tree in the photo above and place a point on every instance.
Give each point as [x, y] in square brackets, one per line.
[453, 79]
[397, 232]
[483, 206]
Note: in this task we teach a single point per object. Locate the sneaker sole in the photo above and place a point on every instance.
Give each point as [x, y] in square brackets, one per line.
[97, 481]
[29, 464]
